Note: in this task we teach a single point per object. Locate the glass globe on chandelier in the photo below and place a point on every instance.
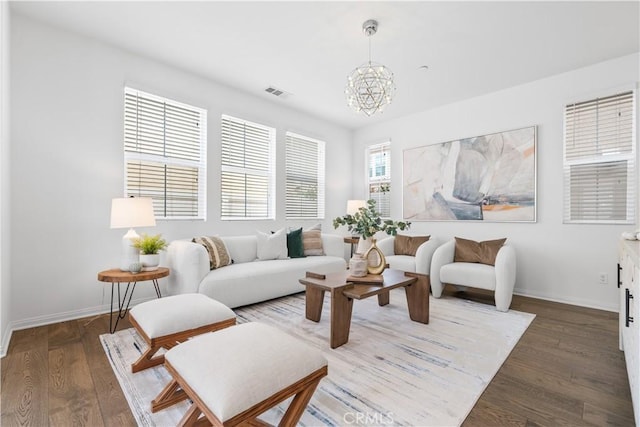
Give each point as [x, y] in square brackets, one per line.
[370, 86]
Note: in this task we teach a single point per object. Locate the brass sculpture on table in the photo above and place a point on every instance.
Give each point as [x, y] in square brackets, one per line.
[382, 262]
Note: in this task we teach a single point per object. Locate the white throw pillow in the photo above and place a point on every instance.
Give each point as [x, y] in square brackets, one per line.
[272, 246]
[318, 227]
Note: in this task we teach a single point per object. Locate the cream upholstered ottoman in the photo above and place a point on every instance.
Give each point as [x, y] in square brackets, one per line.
[168, 321]
[234, 375]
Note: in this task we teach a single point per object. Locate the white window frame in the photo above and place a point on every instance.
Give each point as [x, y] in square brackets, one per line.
[268, 171]
[301, 171]
[595, 156]
[379, 181]
[132, 136]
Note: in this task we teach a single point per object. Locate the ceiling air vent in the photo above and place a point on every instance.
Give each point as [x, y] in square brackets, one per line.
[277, 92]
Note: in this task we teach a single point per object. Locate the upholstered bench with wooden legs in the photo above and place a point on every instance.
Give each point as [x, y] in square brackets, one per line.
[168, 321]
[234, 375]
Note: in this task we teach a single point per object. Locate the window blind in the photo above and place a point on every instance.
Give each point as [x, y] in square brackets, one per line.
[304, 177]
[599, 160]
[379, 167]
[247, 181]
[165, 154]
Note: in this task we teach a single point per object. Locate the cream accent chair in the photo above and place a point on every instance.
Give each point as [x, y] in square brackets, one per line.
[500, 278]
[421, 263]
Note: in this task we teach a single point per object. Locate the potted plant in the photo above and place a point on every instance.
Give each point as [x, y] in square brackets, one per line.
[367, 222]
[149, 247]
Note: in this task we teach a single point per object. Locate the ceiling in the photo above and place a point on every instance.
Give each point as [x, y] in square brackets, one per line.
[308, 48]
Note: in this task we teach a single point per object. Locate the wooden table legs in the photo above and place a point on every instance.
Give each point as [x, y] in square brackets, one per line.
[314, 299]
[418, 298]
[342, 305]
[341, 309]
[383, 299]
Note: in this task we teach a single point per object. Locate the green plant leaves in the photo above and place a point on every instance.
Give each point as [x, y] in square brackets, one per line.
[367, 222]
[149, 245]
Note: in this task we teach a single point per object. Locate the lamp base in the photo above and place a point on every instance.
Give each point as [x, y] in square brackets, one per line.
[129, 253]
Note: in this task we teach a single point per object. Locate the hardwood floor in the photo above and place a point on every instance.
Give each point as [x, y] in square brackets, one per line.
[566, 370]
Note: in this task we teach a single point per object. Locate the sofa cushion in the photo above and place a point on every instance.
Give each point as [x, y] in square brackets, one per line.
[251, 282]
[474, 275]
[408, 245]
[272, 246]
[295, 248]
[402, 262]
[478, 252]
[217, 250]
[312, 242]
[242, 248]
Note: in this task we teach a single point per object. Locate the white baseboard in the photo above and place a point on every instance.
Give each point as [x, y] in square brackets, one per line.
[571, 301]
[55, 318]
[6, 338]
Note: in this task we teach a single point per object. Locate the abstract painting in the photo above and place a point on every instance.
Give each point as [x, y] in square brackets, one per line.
[483, 178]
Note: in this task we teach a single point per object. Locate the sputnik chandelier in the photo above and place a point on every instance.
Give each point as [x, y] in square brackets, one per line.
[370, 86]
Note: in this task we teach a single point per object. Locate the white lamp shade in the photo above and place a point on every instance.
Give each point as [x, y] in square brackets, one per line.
[354, 206]
[132, 212]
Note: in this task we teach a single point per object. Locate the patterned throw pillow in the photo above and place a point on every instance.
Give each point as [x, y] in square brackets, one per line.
[312, 242]
[218, 254]
[478, 252]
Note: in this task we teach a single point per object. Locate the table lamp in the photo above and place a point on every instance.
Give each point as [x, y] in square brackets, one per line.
[354, 206]
[131, 212]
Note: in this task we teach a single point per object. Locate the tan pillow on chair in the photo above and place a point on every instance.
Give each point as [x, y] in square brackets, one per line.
[478, 252]
[408, 245]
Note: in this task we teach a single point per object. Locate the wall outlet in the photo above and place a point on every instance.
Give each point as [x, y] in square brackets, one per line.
[603, 278]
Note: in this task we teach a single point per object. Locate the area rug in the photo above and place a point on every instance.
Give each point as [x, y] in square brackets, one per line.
[391, 372]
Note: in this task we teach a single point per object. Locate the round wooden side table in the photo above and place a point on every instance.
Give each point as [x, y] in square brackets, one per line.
[115, 275]
[353, 240]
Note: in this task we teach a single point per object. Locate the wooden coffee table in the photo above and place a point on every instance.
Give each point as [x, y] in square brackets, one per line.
[344, 292]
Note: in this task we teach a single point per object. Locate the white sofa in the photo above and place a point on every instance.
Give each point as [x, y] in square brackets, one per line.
[247, 280]
[421, 263]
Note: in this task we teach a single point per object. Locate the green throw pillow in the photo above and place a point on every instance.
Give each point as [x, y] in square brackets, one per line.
[295, 247]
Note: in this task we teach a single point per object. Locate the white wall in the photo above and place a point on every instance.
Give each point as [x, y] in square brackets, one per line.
[67, 164]
[5, 229]
[555, 261]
